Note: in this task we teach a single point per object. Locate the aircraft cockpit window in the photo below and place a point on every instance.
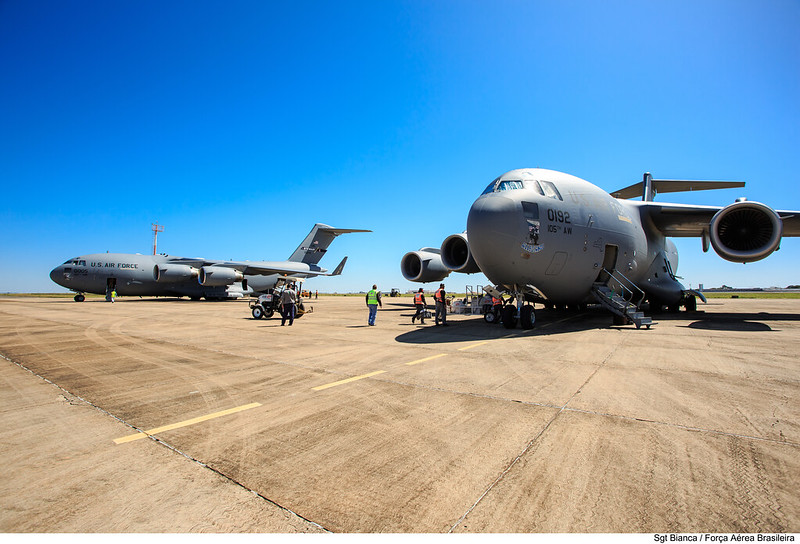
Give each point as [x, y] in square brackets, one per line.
[490, 187]
[550, 190]
[509, 185]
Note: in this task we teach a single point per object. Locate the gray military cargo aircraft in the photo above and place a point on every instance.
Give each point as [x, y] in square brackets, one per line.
[549, 237]
[165, 275]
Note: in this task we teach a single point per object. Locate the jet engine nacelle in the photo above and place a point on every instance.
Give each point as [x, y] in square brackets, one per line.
[167, 273]
[423, 266]
[213, 276]
[456, 255]
[744, 231]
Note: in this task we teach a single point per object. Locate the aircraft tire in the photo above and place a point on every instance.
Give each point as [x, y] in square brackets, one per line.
[691, 304]
[268, 312]
[509, 316]
[527, 317]
[258, 312]
[301, 310]
[79, 298]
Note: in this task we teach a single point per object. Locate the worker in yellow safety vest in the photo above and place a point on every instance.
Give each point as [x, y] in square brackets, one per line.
[440, 296]
[419, 303]
[373, 301]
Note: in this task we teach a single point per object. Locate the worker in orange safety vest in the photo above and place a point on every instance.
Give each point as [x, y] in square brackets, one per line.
[419, 303]
[497, 306]
[440, 296]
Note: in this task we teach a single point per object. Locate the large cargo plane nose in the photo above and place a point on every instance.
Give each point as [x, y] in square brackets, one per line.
[492, 227]
[57, 274]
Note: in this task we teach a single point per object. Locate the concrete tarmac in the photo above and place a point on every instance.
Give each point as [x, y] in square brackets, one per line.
[157, 415]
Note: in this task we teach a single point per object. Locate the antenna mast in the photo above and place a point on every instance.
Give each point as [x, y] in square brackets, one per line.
[156, 229]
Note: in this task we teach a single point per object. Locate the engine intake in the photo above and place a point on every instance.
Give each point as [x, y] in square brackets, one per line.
[170, 273]
[213, 276]
[456, 255]
[423, 266]
[745, 232]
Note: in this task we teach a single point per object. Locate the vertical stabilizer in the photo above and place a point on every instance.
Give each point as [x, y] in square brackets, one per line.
[316, 243]
[648, 190]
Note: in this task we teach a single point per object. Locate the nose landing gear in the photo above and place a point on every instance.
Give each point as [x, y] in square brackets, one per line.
[522, 311]
[527, 316]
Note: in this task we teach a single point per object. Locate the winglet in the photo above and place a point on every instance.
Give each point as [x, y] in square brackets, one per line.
[338, 270]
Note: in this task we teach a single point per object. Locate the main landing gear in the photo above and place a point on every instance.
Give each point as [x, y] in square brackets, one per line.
[689, 302]
[79, 297]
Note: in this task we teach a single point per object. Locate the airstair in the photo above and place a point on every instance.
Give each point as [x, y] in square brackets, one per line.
[621, 297]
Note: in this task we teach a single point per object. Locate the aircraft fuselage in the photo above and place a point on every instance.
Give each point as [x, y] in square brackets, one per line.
[558, 233]
[134, 275]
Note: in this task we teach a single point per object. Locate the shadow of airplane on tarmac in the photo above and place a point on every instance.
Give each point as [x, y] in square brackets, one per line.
[753, 322]
[553, 322]
[474, 328]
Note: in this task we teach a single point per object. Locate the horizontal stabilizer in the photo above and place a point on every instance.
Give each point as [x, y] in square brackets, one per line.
[648, 188]
[337, 232]
[338, 270]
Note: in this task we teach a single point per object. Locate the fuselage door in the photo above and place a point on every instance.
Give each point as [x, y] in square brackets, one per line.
[609, 263]
[610, 257]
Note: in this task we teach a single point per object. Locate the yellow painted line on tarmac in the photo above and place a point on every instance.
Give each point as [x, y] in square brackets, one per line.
[472, 346]
[186, 423]
[426, 359]
[348, 380]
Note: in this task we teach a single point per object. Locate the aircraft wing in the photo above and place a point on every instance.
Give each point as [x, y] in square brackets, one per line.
[254, 268]
[249, 269]
[266, 269]
[682, 220]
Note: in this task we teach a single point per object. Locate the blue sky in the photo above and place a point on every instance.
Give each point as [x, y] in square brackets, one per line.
[238, 125]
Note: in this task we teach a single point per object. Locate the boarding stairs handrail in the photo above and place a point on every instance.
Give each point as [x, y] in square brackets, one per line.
[626, 285]
[618, 304]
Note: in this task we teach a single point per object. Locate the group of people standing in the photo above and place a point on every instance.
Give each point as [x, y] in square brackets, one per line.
[373, 299]
[440, 299]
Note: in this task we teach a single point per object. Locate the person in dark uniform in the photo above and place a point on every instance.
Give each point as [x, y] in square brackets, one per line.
[288, 300]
